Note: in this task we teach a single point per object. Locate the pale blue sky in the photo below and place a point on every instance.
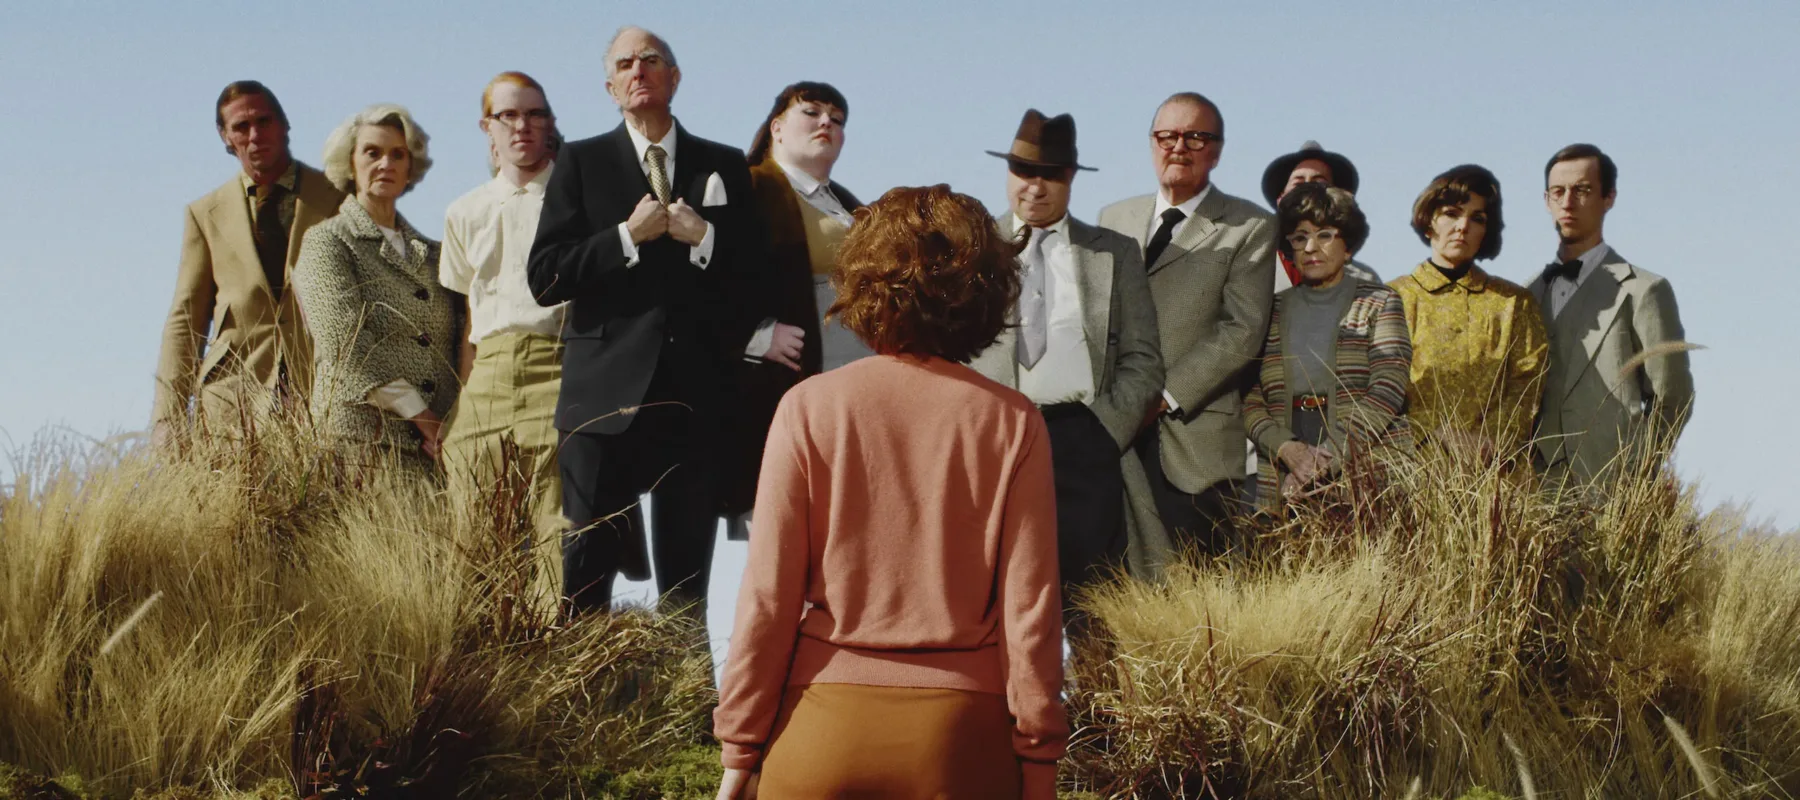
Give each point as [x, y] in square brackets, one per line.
[109, 133]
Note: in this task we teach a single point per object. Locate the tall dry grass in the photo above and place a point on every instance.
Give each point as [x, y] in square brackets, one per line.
[1456, 625]
[260, 608]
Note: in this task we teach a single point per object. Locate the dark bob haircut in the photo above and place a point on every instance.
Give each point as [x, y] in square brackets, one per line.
[1326, 207]
[1453, 188]
[926, 272]
[1609, 172]
[802, 92]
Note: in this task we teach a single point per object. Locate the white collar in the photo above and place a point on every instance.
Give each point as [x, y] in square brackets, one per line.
[1187, 208]
[504, 188]
[642, 143]
[1060, 226]
[802, 182]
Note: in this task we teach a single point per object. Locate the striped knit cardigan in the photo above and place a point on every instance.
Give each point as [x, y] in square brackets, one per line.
[1373, 353]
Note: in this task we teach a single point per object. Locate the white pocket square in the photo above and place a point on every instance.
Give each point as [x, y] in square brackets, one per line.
[715, 191]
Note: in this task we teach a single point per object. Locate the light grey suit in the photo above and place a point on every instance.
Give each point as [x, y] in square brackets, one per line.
[1213, 287]
[1592, 414]
[1120, 321]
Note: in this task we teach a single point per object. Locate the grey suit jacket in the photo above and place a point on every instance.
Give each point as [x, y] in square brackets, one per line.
[1595, 410]
[1213, 288]
[1119, 319]
[376, 315]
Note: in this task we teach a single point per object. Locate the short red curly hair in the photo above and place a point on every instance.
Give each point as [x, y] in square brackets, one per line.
[926, 271]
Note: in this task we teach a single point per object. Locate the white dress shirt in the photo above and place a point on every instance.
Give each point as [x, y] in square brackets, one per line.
[1187, 208]
[701, 254]
[487, 241]
[1561, 289]
[1065, 373]
[816, 193]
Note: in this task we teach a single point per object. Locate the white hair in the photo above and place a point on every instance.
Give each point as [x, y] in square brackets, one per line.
[661, 45]
[340, 145]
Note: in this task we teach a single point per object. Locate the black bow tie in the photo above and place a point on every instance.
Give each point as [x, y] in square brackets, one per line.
[1567, 270]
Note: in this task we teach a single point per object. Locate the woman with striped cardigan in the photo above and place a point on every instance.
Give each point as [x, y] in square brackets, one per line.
[1336, 364]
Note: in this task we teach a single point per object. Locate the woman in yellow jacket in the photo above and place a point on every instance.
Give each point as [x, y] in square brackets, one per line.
[1479, 344]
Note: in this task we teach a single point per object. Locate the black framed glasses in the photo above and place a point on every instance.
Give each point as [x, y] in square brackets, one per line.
[513, 118]
[1193, 140]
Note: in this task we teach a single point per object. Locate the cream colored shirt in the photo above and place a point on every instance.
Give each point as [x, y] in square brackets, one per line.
[1065, 373]
[699, 255]
[487, 241]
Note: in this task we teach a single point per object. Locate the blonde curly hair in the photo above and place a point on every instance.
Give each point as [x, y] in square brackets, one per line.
[340, 145]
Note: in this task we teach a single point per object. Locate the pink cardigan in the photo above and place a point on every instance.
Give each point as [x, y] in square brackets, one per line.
[904, 535]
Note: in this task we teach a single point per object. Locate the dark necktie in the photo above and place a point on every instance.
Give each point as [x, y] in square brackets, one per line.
[1160, 240]
[1569, 270]
[271, 237]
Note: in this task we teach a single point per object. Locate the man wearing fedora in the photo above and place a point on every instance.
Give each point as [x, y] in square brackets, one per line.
[1312, 163]
[1211, 261]
[1084, 348]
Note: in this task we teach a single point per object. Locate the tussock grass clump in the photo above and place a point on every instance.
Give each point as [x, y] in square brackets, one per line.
[1455, 625]
[256, 608]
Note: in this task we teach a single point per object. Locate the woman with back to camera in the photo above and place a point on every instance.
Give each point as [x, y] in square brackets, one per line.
[899, 628]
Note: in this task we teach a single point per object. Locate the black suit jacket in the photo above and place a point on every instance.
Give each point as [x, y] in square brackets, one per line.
[623, 322]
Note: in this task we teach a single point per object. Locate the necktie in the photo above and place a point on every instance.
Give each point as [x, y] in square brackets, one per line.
[1034, 303]
[271, 237]
[1567, 270]
[1160, 241]
[659, 173]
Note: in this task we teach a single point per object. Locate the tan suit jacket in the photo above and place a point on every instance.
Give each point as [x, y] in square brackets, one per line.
[221, 288]
[1213, 287]
[1592, 413]
[1119, 319]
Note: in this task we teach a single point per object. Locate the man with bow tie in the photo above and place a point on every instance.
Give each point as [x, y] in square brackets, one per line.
[1618, 385]
[648, 234]
[1084, 349]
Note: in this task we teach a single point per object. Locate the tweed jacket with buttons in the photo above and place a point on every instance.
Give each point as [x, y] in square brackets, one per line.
[375, 315]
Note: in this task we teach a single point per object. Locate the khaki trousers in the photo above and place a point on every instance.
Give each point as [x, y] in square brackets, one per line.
[836, 740]
[511, 391]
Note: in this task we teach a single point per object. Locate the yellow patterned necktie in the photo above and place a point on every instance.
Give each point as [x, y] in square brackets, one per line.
[659, 173]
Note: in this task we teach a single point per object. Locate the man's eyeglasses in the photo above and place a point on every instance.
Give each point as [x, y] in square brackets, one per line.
[512, 118]
[1193, 140]
[1324, 236]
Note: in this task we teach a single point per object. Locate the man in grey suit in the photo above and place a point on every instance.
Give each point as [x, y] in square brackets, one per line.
[1619, 385]
[1085, 347]
[1211, 262]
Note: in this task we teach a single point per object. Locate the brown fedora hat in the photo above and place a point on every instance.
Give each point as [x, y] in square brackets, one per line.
[1044, 142]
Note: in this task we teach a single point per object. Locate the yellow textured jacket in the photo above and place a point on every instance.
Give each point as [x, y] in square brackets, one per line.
[1479, 355]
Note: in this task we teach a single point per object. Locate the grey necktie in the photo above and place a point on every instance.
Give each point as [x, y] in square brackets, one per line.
[659, 173]
[1034, 303]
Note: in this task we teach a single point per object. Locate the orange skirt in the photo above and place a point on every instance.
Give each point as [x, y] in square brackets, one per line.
[839, 740]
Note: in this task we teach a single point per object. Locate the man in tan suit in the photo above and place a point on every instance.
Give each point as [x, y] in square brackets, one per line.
[237, 247]
[1211, 260]
[1619, 378]
[1084, 349]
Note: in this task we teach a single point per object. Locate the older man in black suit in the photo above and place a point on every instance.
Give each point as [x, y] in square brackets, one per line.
[648, 233]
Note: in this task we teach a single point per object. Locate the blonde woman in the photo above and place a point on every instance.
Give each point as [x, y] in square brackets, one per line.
[384, 331]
